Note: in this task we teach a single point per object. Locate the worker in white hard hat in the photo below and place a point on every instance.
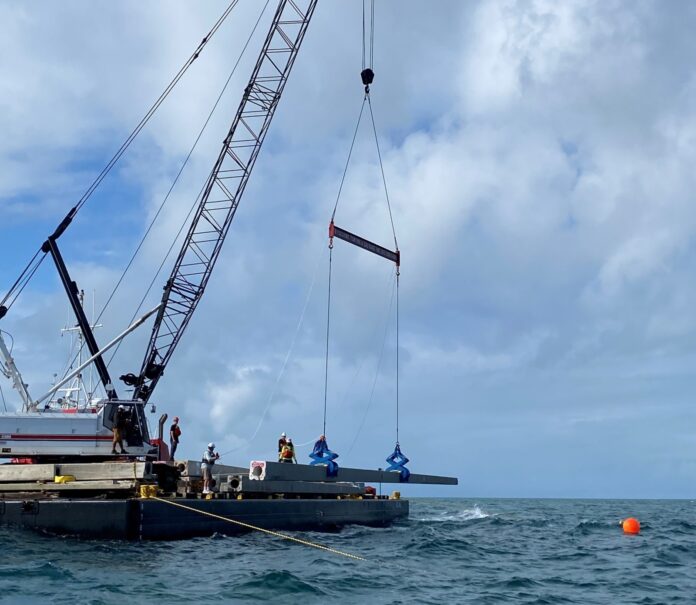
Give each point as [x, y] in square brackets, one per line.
[209, 458]
[281, 444]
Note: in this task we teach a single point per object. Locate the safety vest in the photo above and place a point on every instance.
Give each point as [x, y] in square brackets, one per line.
[287, 452]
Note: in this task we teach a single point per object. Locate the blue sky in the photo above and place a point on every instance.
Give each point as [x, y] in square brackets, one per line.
[540, 161]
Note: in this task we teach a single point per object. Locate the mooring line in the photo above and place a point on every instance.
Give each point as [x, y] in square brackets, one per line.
[261, 529]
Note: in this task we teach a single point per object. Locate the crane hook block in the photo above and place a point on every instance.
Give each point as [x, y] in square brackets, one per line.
[367, 76]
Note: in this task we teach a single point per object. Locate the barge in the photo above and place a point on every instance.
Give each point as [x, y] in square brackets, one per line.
[162, 501]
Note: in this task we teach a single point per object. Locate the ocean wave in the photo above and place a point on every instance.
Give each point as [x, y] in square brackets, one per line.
[439, 545]
[517, 582]
[683, 526]
[468, 514]
[587, 526]
[271, 583]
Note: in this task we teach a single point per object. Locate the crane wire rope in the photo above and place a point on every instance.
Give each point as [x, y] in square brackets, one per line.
[125, 145]
[333, 215]
[19, 279]
[350, 152]
[386, 194]
[328, 323]
[396, 244]
[27, 274]
[373, 330]
[372, 33]
[374, 382]
[367, 99]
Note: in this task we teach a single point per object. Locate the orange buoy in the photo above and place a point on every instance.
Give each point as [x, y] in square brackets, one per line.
[631, 526]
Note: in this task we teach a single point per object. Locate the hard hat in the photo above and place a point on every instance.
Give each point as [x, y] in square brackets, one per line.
[121, 407]
[289, 440]
[282, 435]
[211, 446]
[176, 419]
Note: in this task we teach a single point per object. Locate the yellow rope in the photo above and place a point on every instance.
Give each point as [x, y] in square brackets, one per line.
[261, 529]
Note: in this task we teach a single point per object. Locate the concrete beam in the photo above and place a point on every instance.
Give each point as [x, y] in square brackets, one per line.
[278, 471]
[27, 472]
[95, 471]
[244, 485]
[101, 486]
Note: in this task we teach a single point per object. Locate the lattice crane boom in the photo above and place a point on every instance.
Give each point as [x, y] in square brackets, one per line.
[223, 190]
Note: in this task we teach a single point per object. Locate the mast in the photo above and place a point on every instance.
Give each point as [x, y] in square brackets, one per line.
[79, 386]
[223, 190]
[51, 245]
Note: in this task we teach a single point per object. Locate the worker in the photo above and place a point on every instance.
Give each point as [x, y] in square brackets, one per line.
[281, 444]
[209, 458]
[287, 454]
[119, 427]
[291, 445]
[174, 434]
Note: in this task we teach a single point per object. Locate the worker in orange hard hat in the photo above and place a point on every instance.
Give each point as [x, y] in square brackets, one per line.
[174, 434]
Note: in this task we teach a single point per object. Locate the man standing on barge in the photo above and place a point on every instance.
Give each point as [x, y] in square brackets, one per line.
[209, 458]
[174, 434]
[120, 421]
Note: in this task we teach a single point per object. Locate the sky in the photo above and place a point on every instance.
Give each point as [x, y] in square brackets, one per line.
[539, 161]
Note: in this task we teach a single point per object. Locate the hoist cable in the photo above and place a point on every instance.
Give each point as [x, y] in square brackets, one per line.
[184, 164]
[328, 324]
[363, 34]
[397, 356]
[374, 381]
[350, 153]
[19, 279]
[381, 167]
[372, 32]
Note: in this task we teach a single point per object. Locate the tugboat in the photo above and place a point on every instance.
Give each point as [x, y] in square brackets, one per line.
[63, 478]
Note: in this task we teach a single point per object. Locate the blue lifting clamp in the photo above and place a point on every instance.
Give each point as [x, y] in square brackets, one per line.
[321, 454]
[397, 462]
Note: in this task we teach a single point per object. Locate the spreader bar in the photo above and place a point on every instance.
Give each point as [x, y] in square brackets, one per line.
[361, 242]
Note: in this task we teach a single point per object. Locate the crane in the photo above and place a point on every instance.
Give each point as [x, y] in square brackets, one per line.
[34, 432]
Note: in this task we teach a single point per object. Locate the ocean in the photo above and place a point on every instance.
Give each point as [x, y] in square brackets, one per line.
[449, 551]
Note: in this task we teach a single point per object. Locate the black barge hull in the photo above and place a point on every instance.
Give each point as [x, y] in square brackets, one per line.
[148, 519]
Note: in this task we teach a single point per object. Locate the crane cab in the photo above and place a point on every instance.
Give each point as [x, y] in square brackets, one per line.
[66, 433]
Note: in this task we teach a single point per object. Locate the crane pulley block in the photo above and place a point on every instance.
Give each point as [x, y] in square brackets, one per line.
[361, 242]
